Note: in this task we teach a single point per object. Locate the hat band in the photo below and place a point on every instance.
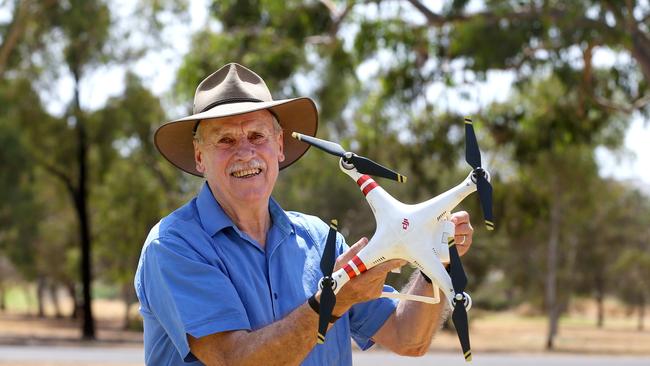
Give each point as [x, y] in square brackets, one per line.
[228, 101]
[220, 102]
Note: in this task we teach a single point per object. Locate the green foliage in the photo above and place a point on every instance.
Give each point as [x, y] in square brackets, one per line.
[85, 25]
[121, 230]
[263, 35]
[631, 267]
[19, 208]
[488, 44]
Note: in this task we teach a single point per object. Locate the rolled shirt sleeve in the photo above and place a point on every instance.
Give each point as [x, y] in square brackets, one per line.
[368, 317]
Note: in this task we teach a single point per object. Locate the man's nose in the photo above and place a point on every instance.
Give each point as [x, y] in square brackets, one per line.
[244, 148]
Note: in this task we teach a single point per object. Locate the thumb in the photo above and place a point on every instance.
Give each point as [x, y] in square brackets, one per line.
[347, 256]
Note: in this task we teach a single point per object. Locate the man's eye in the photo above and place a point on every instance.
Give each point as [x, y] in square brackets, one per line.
[256, 137]
[225, 140]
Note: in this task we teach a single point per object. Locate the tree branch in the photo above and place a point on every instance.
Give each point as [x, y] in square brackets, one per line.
[67, 180]
[340, 17]
[14, 33]
[531, 13]
[618, 107]
[432, 18]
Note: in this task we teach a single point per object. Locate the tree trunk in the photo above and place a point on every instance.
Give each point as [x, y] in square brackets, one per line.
[72, 292]
[600, 300]
[641, 52]
[127, 298]
[40, 296]
[81, 205]
[3, 305]
[55, 300]
[15, 31]
[551, 274]
[640, 326]
[28, 298]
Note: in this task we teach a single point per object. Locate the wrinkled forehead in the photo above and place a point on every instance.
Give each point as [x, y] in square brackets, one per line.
[253, 121]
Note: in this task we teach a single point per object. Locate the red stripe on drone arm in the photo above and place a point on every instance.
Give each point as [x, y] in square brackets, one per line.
[348, 269]
[360, 266]
[362, 179]
[369, 187]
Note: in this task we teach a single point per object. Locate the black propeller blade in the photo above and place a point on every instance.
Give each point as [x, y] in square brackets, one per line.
[459, 316]
[327, 297]
[456, 270]
[327, 146]
[473, 158]
[484, 189]
[363, 164]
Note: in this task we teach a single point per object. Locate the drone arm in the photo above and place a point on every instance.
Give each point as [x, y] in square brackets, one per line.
[440, 207]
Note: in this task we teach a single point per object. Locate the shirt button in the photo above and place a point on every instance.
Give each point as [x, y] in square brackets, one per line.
[275, 295]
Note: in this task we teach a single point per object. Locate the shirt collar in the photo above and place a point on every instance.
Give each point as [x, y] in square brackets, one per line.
[279, 217]
[212, 216]
[214, 219]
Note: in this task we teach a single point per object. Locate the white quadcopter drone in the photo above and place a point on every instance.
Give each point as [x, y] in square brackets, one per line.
[421, 234]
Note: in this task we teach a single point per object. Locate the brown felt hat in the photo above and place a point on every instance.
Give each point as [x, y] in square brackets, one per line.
[229, 91]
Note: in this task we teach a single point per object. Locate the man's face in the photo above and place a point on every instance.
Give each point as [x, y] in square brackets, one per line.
[239, 157]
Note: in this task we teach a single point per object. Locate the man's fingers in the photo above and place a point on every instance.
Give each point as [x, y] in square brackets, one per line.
[464, 229]
[347, 256]
[460, 217]
[355, 248]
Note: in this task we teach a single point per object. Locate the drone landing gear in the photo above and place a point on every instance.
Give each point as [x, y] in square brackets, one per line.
[426, 299]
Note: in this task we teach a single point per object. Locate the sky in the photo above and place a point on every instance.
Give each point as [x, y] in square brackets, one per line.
[158, 70]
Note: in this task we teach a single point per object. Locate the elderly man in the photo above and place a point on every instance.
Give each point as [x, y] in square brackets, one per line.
[225, 279]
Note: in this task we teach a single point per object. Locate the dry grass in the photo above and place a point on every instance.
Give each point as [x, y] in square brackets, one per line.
[510, 332]
[19, 328]
[515, 331]
[523, 330]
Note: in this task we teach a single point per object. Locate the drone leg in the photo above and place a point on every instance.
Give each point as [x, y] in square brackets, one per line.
[410, 297]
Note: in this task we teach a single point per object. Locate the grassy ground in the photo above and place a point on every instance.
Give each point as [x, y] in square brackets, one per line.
[511, 331]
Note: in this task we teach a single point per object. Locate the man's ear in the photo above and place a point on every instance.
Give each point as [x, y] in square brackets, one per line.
[198, 157]
[281, 147]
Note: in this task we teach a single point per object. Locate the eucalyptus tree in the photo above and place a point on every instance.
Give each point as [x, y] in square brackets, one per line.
[374, 67]
[631, 265]
[20, 209]
[47, 41]
[137, 187]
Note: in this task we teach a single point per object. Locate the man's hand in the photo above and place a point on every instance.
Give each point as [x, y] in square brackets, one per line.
[464, 231]
[364, 287]
[369, 285]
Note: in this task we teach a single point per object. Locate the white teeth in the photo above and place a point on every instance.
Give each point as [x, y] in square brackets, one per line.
[247, 172]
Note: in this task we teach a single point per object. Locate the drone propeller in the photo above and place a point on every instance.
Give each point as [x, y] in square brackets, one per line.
[459, 316]
[473, 158]
[327, 297]
[363, 164]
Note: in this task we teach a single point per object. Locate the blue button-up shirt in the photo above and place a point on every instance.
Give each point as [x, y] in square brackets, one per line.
[199, 274]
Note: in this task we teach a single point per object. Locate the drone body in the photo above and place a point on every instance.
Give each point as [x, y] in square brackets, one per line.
[421, 234]
[417, 233]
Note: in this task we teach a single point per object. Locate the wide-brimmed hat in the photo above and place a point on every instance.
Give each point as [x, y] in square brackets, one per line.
[229, 91]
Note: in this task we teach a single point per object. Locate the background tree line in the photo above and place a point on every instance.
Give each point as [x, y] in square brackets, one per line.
[81, 188]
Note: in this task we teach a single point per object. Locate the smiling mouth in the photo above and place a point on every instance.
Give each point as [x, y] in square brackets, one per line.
[248, 173]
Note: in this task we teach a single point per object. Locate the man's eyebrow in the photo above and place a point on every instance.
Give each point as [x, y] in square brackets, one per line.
[220, 129]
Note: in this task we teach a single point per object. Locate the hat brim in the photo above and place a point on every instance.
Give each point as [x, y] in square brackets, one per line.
[174, 139]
